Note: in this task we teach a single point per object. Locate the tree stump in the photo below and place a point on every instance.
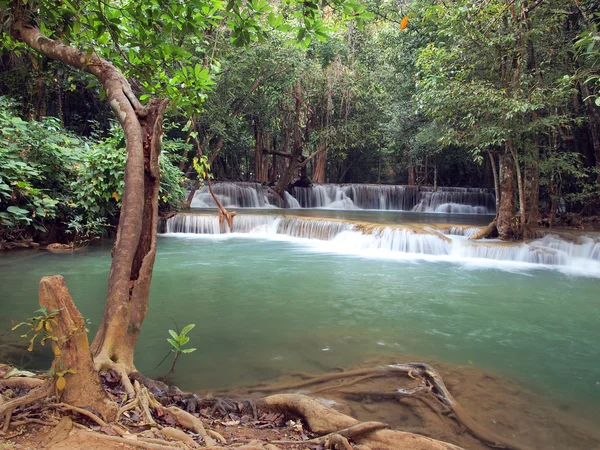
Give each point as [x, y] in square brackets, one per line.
[72, 351]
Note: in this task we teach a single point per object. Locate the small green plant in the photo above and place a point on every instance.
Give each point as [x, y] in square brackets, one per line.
[43, 324]
[178, 340]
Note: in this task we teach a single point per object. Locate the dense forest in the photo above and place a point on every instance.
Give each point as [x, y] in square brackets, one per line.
[111, 111]
[484, 94]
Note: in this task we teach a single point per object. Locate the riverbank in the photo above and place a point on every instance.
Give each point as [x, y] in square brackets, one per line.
[502, 406]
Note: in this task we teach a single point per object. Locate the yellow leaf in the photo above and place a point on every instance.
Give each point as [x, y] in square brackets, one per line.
[61, 383]
[404, 23]
[48, 326]
[57, 351]
[39, 325]
[116, 196]
[30, 348]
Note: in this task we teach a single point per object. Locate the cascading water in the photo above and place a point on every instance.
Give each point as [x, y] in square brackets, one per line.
[448, 243]
[324, 230]
[460, 231]
[351, 196]
[209, 224]
[457, 200]
[232, 195]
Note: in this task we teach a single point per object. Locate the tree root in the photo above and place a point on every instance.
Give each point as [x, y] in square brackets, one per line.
[322, 419]
[187, 420]
[144, 443]
[35, 395]
[21, 382]
[351, 432]
[105, 363]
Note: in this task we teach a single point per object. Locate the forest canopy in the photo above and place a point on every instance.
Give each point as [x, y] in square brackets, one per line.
[483, 94]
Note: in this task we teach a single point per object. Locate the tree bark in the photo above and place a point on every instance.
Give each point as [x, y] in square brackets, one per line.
[131, 270]
[294, 162]
[319, 175]
[593, 113]
[258, 156]
[496, 181]
[72, 351]
[532, 186]
[411, 171]
[135, 246]
[506, 210]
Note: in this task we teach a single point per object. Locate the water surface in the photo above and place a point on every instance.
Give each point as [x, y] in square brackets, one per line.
[265, 307]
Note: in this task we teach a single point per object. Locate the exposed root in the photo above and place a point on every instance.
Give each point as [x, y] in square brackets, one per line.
[34, 396]
[311, 380]
[105, 363]
[173, 434]
[21, 382]
[89, 415]
[139, 442]
[187, 420]
[145, 400]
[217, 436]
[431, 384]
[352, 433]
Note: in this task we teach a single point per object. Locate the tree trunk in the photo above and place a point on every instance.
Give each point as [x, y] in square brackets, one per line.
[135, 246]
[72, 351]
[520, 190]
[411, 171]
[319, 175]
[291, 170]
[496, 181]
[265, 158]
[131, 270]
[532, 186]
[506, 210]
[593, 114]
[258, 155]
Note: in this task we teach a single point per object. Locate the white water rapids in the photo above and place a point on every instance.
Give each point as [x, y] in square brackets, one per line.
[581, 256]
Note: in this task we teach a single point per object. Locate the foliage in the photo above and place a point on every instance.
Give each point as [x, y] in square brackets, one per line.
[49, 177]
[178, 341]
[41, 324]
[33, 179]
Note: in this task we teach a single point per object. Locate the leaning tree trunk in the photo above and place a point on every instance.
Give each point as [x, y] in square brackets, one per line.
[133, 259]
[135, 246]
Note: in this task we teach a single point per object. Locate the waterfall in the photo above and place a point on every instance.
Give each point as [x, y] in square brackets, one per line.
[209, 224]
[460, 231]
[232, 195]
[351, 196]
[357, 196]
[449, 243]
[457, 201]
[324, 230]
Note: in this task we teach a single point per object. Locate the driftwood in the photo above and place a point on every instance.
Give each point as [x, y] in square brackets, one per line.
[486, 232]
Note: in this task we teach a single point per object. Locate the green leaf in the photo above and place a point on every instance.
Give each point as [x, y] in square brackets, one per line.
[189, 350]
[173, 334]
[187, 329]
